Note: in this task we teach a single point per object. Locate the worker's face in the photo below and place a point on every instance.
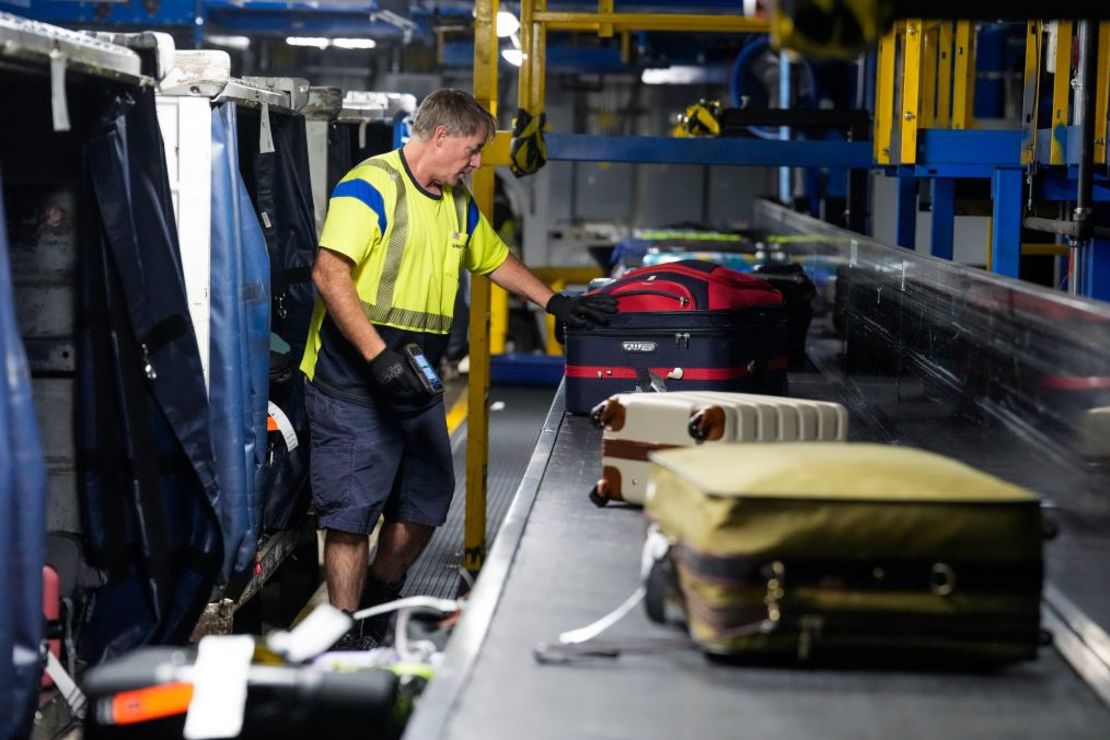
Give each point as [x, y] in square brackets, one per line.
[459, 155]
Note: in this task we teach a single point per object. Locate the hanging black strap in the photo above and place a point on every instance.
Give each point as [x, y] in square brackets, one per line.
[138, 442]
[164, 332]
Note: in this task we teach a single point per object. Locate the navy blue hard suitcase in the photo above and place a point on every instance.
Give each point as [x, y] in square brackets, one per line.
[685, 325]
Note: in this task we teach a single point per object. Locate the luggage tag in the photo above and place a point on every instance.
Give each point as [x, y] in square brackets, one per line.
[315, 634]
[59, 104]
[219, 679]
[265, 135]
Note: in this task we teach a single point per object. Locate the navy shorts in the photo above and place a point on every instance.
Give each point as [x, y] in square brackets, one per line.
[367, 461]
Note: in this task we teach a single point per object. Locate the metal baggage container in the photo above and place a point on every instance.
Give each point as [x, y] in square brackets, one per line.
[637, 424]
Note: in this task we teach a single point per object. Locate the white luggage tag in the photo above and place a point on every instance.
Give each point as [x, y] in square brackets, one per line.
[219, 680]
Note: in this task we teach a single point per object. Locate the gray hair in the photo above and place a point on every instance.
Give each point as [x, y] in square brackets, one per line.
[460, 112]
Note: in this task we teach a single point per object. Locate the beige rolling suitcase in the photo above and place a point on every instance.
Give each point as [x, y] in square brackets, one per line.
[636, 424]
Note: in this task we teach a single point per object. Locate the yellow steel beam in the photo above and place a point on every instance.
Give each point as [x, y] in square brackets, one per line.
[1057, 250]
[498, 319]
[553, 348]
[1061, 93]
[911, 90]
[963, 76]
[605, 7]
[477, 448]
[1032, 92]
[626, 47]
[884, 96]
[927, 109]
[944, 75]
[485, 53]
[524, 74]
[564, 21]
[539, 61]
[1102, 92]
[576, 275]
[990, 244]
[496, 153]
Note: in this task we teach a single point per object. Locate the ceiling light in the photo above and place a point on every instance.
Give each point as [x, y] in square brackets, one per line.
[507, 24]
[354, 43]
[318, 41]
[683, 75]
[513, 56]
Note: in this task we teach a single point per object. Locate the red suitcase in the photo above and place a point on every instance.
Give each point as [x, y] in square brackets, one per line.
[686, 325]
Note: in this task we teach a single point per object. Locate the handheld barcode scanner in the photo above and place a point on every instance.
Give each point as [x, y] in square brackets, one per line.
[428, 377]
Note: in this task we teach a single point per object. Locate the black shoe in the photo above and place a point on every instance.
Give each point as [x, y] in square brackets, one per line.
[374, 593]
[356, 638]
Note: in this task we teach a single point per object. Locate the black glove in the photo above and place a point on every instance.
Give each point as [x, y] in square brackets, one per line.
[395, 378]
[584, 311]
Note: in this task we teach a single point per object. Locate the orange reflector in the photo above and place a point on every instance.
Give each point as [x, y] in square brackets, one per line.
[155, 702]
[271, 424]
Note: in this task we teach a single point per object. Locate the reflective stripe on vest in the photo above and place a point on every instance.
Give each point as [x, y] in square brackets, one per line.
[382, 310]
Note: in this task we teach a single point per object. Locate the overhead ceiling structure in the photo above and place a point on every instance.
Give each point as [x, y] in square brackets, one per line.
[363, 24]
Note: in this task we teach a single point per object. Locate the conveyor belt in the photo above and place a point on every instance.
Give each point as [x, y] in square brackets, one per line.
[574, 562]
[514, 423]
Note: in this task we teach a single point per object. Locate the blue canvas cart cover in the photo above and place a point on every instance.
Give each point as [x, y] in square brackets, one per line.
[240, 356]
[22, 520]
[148, 485]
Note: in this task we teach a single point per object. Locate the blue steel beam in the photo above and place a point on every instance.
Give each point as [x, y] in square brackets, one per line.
[944, 217]
[633, 6]
[727, 151]
[905, 214]
[953, 171]
[330, 19]
[1097, 272]
[968, 146]
[1006, 185]
[1055, 186]
[129, 13]
[560, 58]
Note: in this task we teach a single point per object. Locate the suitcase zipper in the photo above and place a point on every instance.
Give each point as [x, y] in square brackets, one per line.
[682, 300]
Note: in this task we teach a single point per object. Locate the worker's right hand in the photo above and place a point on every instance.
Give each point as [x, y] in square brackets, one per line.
[583, 311]
[395, 379]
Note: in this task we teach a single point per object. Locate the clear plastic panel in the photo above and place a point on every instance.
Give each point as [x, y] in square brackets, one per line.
[1007, 376]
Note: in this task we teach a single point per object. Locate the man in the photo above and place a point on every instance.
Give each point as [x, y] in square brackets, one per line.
[399, 228]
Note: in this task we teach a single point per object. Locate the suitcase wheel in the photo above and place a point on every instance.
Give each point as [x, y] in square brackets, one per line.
[696, 429]
[656, 588]
[596, 498]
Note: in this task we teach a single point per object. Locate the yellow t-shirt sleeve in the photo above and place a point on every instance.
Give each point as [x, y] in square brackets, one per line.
[485, 251]
[356, 219]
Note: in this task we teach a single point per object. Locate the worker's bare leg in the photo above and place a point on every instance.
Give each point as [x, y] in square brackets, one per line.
[399, 545]
[345, 556]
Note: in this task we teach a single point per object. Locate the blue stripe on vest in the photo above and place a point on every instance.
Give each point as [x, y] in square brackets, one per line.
[471, 220]
[367, 193]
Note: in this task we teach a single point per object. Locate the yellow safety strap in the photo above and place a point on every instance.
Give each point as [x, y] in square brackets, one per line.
[701, 118]
[528, 151]
[829, 28]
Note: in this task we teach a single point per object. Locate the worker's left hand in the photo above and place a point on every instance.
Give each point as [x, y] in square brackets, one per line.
[582, 312]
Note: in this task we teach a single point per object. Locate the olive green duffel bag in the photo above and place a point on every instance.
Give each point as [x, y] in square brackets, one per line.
[862, 551]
